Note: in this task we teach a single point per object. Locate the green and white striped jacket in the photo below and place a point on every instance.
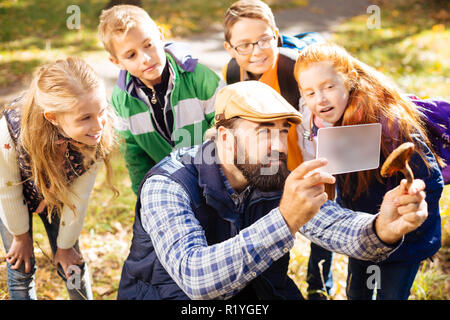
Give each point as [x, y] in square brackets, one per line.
[191, 94]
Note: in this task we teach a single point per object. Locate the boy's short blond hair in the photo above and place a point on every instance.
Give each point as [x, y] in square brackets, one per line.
[254, 9]
[119, 20]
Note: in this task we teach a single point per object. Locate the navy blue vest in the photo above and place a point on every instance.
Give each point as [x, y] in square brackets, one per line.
[195, 168]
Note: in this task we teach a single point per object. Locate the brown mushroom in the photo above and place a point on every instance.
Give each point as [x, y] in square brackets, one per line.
[398, 161]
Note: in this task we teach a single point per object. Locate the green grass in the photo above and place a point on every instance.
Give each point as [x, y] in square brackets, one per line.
[34, 32]
[411, 46]
[430, 282]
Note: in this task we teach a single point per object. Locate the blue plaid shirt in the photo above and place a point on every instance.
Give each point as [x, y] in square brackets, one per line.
[220, 271]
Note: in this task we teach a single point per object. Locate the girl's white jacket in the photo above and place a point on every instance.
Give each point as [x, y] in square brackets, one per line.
[13, 208]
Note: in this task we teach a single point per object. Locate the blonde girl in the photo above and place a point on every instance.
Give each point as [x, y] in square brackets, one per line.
[340, 90]
[52, 142]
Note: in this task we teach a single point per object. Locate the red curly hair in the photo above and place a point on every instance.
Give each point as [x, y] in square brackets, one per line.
[373, 98]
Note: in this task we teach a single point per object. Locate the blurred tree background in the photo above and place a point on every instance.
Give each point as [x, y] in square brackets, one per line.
[33, 32]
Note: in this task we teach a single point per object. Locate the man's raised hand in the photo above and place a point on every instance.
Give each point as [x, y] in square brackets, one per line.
[304, 193]
[402, 211]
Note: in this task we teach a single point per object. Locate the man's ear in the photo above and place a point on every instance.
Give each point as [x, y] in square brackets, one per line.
[229, 49]
[50, 117]
[222, 134]
[225, 139]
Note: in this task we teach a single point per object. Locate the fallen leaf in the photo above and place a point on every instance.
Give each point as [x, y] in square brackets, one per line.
[438, 28]
[103, 290]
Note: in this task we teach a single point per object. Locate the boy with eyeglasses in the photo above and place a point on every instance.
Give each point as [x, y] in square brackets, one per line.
[252, 39]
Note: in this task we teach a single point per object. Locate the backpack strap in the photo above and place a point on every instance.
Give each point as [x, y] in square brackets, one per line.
[286, 80]
[233, 72]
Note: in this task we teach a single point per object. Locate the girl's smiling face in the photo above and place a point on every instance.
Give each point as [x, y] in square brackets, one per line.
[324, 91]
[85, 121]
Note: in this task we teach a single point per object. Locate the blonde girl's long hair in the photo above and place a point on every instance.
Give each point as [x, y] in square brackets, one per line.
[56, 88]
[373, 98]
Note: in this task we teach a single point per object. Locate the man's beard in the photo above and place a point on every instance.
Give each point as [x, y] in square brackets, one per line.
[263, 175]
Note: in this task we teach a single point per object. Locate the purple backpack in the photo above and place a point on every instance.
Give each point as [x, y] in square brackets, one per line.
[437, 118]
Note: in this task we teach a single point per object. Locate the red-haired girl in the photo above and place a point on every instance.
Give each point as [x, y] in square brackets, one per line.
[340, 90]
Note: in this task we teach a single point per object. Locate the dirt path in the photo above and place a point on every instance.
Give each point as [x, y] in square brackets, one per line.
[319, 15]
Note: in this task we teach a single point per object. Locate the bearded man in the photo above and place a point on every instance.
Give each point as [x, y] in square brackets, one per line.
[217, 221]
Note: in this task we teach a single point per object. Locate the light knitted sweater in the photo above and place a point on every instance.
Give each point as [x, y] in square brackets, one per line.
[13, 209]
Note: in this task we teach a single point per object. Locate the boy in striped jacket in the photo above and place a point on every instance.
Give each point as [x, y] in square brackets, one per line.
[163, 97]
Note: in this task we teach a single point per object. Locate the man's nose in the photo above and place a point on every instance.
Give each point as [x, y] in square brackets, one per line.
[278, 142]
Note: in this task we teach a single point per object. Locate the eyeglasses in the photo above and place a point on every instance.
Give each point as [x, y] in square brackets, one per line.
[247, 48]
